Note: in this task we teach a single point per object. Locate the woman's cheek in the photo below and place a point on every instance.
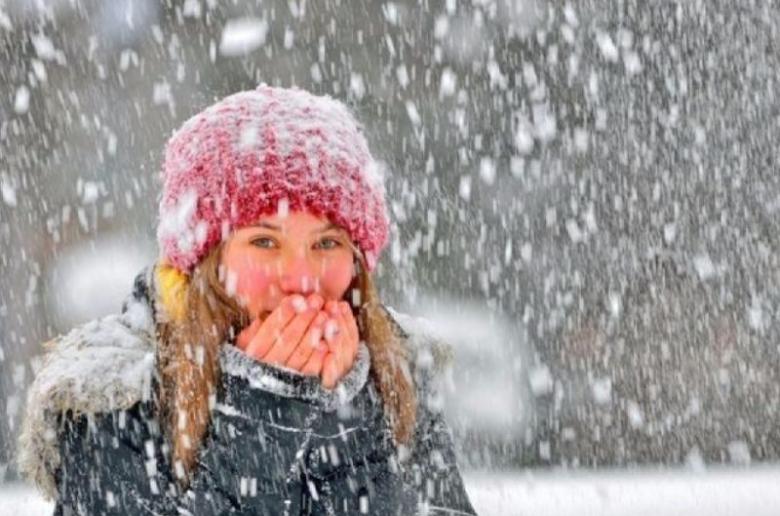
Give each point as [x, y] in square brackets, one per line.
[253, 285]
[336, 278]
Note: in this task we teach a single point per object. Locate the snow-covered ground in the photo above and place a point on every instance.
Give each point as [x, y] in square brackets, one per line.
[721, 492]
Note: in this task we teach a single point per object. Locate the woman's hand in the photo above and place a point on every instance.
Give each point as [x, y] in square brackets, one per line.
[291, 335]
[301, 336]
[341, 334]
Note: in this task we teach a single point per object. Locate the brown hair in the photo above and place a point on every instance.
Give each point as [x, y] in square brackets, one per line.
[188, 357]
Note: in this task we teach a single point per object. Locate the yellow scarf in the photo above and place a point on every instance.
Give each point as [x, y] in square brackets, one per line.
[172, 287]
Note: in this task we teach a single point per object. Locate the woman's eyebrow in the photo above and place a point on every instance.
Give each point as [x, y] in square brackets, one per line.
[326, 227]
[268, 225]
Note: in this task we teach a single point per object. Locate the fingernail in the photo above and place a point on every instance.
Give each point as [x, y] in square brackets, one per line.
[299, 304]
[344, 308]
[331, 329]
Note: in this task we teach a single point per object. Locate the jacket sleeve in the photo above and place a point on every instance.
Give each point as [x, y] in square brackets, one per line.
[353, 466]
[433, 470]
[112, 463]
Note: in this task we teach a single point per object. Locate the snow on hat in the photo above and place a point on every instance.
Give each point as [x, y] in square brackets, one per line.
[262, 151]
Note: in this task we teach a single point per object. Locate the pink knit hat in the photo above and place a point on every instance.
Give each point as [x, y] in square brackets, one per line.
[241, 157]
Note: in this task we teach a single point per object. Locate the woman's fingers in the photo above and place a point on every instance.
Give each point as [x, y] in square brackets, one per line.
[308, 344]
[332, 327]
[247, 334]
[271, 328]
[293, 333]
[335, 336]
[330, 371]
[342, 341]
[347, 340]
[301, 336]
[313, 366]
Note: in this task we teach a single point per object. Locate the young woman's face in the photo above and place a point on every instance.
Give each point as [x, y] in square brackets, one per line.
[296, 253]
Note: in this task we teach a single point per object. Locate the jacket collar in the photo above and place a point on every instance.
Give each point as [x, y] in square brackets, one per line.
[289, 383]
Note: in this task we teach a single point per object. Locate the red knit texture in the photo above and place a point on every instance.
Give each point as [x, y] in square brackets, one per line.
[236, 160]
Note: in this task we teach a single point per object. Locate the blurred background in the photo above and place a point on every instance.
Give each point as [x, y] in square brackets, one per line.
[585, 197]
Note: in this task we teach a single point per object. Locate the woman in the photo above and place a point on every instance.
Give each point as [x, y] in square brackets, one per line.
[253, 369]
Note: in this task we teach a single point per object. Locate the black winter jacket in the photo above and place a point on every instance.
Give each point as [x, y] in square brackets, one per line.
[278, 443]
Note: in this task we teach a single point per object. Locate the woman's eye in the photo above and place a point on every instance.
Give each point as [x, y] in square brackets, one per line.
[328, 243]
[263, 242]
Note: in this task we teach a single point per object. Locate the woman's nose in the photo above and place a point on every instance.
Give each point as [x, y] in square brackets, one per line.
[297, 275]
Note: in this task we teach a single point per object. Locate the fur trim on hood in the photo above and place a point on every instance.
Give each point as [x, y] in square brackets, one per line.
[108, 365]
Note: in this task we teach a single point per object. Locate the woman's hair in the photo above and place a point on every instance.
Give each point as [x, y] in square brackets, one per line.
[198, 317]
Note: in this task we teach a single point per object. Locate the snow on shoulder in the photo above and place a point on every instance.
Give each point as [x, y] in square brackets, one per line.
[431, 357]
[101, 366]
[430, 349]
